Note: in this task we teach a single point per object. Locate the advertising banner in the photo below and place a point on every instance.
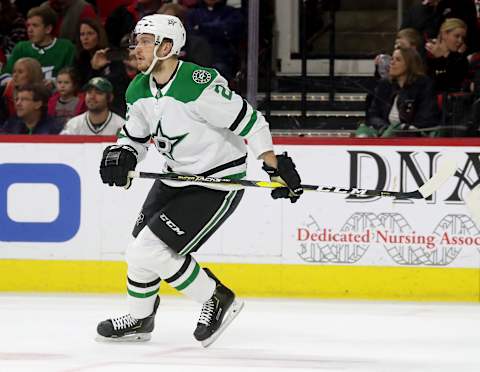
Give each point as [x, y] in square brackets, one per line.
[53, 206]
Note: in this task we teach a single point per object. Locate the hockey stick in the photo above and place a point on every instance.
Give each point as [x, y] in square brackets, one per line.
[447, 170]
[472, 201]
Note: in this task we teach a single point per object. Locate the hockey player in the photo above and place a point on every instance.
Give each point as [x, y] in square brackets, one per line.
[200, 128]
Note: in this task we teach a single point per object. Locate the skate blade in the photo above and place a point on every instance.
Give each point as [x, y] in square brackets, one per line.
[138, 337]
[234, 310]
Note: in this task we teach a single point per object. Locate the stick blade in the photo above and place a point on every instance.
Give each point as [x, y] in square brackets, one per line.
[472, 201]
[447, 169]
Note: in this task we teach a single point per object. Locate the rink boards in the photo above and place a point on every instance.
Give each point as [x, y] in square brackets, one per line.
[61, 229]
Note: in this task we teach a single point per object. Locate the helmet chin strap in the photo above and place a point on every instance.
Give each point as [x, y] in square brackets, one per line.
[154, 62]
[156, 59]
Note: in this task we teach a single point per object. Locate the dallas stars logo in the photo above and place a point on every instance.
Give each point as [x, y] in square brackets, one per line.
[165, 144]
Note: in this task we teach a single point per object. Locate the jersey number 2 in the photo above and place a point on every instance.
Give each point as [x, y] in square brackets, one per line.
[225, 92]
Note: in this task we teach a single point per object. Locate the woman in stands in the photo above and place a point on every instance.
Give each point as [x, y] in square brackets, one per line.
[25, 71]
[406, 99]
[95, 59]
[90, 38]
[447, 64]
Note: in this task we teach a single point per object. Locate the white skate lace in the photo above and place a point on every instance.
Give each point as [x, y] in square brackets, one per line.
[123, 322]
[207, 312]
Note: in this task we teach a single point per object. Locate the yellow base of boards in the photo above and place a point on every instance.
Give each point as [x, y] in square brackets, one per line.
[258, 280]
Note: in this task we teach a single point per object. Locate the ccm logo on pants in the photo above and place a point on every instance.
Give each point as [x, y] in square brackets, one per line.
[170, 224]
[66, 223]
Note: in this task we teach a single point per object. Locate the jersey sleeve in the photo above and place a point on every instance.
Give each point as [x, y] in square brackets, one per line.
[135, 132]
[70, 127]
[223, 108]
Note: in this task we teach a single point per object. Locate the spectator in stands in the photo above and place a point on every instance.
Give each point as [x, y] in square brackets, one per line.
[428, 15]
[406, 99]
[196, 49]
[91, 37]
[94, 58]
[12, 27]
[25, 71]
[52, 53]
[405, 38]
[124, 18]
[446, 65]
[98, 120]
[409, 38]
[31, 105]
[222, 26]
[67, 101]
[69, 14]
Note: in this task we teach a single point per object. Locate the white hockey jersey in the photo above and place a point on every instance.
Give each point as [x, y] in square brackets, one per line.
[81, 125]
[195, 122]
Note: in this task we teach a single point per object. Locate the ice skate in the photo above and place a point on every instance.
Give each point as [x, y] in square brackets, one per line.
[127, 328]
[217, 313]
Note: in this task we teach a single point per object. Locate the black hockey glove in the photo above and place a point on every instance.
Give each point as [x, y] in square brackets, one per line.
[287, 175]
[117, 161]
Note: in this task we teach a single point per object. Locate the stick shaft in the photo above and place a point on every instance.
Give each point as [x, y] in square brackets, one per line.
[273, 185]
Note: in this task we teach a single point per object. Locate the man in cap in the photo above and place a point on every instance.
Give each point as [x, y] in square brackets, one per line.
[98, 119]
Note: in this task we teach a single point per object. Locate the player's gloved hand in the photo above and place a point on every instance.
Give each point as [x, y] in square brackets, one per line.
[285, 174]
[117, 161]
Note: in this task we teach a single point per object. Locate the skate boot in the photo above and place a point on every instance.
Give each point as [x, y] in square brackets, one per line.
[127, 328]
[217, 313]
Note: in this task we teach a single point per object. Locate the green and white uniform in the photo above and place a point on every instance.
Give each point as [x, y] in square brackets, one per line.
[200, 127]
[196, 123]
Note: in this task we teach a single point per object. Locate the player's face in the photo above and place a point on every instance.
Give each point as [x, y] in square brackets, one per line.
[25, 105]
[144, 46]
[88, 37]
[96, 100]
[398, 67]
[65, 85]
[20, 75]
[454, 39]
[36, 30]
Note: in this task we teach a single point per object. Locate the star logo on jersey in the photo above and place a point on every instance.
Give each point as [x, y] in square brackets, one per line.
[172, 22]
[165, 144]
[201, 76]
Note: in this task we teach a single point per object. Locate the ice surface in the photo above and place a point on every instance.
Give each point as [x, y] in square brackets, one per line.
[56, 333]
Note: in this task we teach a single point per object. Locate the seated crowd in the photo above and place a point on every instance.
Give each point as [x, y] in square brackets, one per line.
[427, 75]
[61, 59]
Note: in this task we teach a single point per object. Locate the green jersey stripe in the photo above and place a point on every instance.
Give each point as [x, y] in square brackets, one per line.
[190, 279]
[210, 224]
[249, 125]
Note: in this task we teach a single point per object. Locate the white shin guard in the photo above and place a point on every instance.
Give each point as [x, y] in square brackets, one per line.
[149, 258]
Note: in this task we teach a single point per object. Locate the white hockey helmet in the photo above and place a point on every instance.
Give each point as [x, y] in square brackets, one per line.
[162, 26]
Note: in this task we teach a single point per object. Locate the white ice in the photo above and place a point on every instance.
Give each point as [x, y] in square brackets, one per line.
[56, 333]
